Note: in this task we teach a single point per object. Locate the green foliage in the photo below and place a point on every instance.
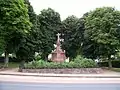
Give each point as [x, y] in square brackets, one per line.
[69, 28]
[87, 47]
[115, 69]
[48, 25]
[14, 25]
[102, 27]
[28, 47]
[79, 62]
[90, 49]
[1, 45]
[38, 57]
[115, 63]
[11, 65]
[23, 33]
[84, 61]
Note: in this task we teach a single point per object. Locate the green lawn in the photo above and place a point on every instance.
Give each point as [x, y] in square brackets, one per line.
[115, 69]
[11, 65]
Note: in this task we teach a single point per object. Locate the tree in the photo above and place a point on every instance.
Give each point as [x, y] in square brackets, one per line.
[28, 48]
[79, 35]
[88, 47]
[102, 27]
[14, 22]
[72, 28]
[1, 45]
[48, 23]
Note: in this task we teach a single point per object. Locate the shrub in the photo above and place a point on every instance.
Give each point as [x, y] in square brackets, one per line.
[84, 62]
[78, 62]
[38, 57]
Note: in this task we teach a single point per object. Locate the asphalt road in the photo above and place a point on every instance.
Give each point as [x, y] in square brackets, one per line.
[57, 86]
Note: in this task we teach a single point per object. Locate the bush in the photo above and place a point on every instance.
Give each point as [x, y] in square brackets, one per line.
[115, 63]
[84, 62]
[78, 62]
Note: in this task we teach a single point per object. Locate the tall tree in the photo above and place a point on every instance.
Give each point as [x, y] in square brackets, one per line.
[1, 45]
[48, 23]
[102, 27]
[79, 35]
[88, 47]
[27, 50]
[14, 22]
[72, 28]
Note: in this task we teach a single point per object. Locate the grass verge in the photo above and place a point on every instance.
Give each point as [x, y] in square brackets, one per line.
[115, 69]
[11, 65]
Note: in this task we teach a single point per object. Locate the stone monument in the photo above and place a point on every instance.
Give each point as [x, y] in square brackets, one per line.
[58, 55]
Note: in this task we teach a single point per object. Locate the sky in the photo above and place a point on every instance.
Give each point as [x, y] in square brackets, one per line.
[72, 7]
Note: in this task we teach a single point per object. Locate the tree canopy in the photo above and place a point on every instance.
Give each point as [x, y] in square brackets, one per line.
[102, 27]
[28, 47]
[96, 34]
[48, 24]
[68, 29]
[14, 24]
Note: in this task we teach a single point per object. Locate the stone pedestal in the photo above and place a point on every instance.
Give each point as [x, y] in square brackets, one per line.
[58, 56]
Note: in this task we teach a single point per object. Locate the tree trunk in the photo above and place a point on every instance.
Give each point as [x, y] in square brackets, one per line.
[46, 57]
[6, 60]
[109, 63]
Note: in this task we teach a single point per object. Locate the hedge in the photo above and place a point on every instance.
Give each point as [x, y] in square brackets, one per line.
[115, 63]
[78, 62]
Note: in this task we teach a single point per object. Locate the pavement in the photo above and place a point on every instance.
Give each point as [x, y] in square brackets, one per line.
[58, 86]
[105, 74]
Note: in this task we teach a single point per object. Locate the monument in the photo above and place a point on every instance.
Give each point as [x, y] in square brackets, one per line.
[58, 55]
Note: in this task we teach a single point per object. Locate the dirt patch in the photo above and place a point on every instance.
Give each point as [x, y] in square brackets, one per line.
[66, 71]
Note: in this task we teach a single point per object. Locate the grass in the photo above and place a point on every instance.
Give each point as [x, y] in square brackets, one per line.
[115, 69]
[11, 65]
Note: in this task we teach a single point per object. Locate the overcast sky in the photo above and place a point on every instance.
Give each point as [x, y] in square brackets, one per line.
[72, 7]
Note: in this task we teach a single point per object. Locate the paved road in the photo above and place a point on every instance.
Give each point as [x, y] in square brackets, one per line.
[57, 86]
[32, 79]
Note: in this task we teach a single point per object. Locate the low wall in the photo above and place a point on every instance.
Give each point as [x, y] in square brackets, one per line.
[66, 71]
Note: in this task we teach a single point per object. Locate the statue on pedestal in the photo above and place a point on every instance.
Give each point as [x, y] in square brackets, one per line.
[58, 55]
